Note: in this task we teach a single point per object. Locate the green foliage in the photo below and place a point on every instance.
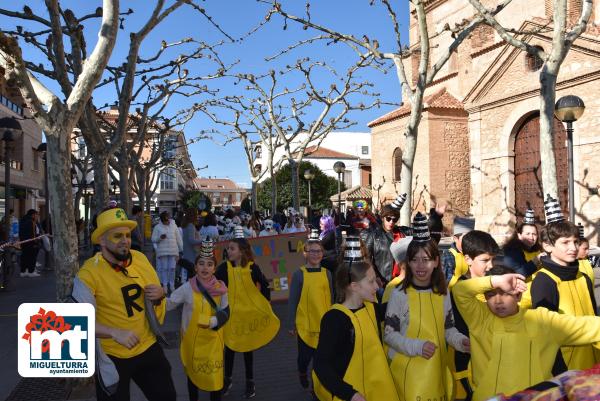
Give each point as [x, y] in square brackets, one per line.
[321, 188]
[190, 198]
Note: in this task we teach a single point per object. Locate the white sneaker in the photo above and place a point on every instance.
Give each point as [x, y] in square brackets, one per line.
[24, 274]
[34, 274]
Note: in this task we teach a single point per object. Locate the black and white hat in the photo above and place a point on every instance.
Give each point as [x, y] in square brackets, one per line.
[207, 248]
[420, 228]
[581, 231]
[352, 251]
[552, 210]
[399, 202]
[529, 217]
[314, 235]
[238, 232]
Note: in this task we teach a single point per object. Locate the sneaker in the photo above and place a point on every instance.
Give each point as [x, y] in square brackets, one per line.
[34, 274]
[24, 274]
[304, 380]
[226, 385]
[250, 390]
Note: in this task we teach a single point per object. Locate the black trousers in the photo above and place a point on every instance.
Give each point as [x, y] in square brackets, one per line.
[305, 355]
[193, 392]
[29, 258]
[150, 370]
[248, 363]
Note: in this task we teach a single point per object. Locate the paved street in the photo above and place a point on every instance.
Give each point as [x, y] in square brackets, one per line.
[275, 372]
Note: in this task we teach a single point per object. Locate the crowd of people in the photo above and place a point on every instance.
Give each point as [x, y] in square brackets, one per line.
[378, 309]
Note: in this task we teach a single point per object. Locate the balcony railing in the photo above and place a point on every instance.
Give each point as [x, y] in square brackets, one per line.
[13, 106]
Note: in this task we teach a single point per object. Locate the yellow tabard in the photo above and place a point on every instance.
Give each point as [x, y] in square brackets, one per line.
[315, 300]
[461, 267]
[385, 298]
[574, 299]
[586, 268]
[503, 375]
[368, 371]
[201, 348]
[417, 378]
[530, 255]
[252, 323]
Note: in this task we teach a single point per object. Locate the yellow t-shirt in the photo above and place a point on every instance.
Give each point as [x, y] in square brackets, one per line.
[120, 300]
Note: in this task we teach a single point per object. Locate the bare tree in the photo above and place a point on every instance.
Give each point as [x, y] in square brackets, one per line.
[247, 122]
[304, 116]
[563, 37]
[423, 76]
[58, 117]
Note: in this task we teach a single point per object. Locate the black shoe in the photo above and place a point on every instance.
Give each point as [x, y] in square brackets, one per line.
[250, 390]
[226, 385]
[304, 380]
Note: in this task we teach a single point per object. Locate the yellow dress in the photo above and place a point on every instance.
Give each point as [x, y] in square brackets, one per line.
[368, 371]
[426, 323]
[201, 348]
[252, 323]
[315, 300]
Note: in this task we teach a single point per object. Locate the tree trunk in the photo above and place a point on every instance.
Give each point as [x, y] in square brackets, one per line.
[254, 196]
[295, 187]
[125, 196]
[142, 200]
[273, 190]
[547, 100]
[101, 191]
[61, 208]
[77, 202]
[408, 157]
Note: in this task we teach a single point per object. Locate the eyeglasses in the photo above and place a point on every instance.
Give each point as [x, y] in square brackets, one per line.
[388, 219]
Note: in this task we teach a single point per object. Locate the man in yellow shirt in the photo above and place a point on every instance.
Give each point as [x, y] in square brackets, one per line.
[125, 290]
[513, 348]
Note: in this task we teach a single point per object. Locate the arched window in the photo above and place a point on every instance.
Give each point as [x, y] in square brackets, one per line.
[397, 164]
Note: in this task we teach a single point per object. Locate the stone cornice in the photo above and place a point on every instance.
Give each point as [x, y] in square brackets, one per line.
[534, 92]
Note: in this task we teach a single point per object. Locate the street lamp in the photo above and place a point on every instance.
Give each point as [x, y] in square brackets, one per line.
[11, 127]
[339, 167]
[569, 109]
[309, 176]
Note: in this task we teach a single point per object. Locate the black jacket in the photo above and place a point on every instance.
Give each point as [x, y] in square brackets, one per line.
[378, 243]
[27, 230]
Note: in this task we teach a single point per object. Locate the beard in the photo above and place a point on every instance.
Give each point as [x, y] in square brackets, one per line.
[120, 256]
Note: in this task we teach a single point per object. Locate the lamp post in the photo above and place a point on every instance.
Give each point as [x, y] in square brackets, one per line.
[569, 109]
[309, 176]
[11, 127]
[339, 167]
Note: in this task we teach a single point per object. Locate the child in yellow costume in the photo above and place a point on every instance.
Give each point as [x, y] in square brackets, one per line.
[453, 259]
[311, 295]
[205, 311]
[513, 348]
[583, 253]
[252, 323]
[522, 249]
[419, 321]
[560, 286]
[479, 249]
[349, 362]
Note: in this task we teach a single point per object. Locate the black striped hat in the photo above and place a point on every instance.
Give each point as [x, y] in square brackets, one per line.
[207, 248]
[420, 228]
[552, 210]
[314, 235]
[581, 231]
[399, 201]
[352, 251]
[529, 216]
[238, 232]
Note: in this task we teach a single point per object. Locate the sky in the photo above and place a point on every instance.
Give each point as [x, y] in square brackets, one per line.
[236, 17]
